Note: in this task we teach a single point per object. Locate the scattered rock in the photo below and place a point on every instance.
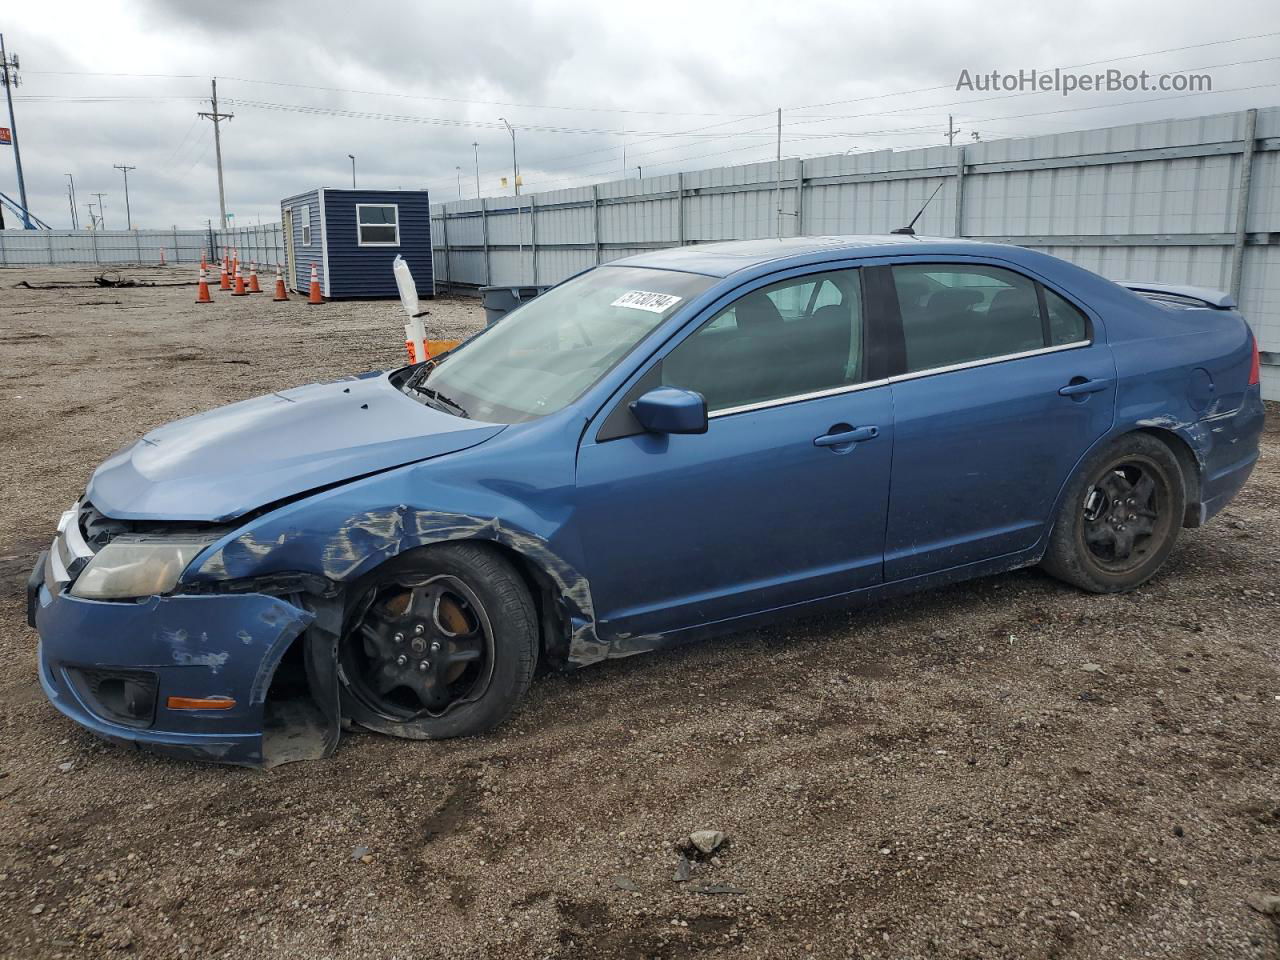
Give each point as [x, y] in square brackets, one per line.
[1267, 903]
[706, 840]
[1092, 668]
[67, 767]
[683, 870]
[621, 882]
[713, 889]
[37, 909]
[359, 853]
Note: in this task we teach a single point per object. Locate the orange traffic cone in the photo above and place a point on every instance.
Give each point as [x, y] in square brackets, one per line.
[253, 278]
[162, 256]
[224, 283]
[239, 291]
[204, 264]
[202, 293]
[281, 293]
[314, 297]
[235, 261]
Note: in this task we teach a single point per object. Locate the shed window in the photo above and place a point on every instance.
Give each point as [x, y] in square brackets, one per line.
[304, 215]
[378, 225]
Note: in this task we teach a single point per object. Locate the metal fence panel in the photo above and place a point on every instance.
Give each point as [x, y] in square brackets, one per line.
[1158, 200]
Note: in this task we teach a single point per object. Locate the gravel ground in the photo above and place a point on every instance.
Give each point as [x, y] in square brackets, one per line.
[1006, 768]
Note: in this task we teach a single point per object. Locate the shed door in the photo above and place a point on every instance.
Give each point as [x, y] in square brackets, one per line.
[291, 264]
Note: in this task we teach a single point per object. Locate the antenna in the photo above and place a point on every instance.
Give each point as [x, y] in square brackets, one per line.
[908, 229]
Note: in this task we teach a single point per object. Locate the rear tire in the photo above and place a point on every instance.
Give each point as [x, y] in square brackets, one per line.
[441, 643]
[1119, 518]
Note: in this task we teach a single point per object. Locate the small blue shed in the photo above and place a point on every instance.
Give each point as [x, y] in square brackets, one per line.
[352, 237]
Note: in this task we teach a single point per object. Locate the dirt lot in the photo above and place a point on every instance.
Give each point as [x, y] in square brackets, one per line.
[934, 777]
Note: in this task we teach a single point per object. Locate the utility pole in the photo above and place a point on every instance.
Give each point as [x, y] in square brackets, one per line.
[476, 147]
[216, 117]
[71, 195]
[952, 130]
[778, 188]
[9, 70]
[128, 214]
[515, 167]
[102, 212]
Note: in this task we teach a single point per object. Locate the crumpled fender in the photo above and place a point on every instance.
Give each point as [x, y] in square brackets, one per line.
[343, 547]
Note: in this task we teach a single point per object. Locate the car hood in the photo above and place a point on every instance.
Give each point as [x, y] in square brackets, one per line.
[219, 465]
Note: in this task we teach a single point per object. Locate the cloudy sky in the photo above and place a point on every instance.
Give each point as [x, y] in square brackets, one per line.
[408, 88]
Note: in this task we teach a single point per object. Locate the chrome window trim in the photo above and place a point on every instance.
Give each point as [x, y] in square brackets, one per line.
[987, 361]
[897, 378]
[796, 398]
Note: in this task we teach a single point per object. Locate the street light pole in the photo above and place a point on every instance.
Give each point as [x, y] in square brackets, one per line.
[476, 147]
[515, 167]
[352, 157]
[459, 169]
[102, 212]
[9, 76]
[128, 214]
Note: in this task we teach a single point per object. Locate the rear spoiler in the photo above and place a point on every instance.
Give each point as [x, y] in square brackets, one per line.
[1181, 294]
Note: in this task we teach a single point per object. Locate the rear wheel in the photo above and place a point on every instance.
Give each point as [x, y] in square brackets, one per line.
[441, 643]
[1119, 518]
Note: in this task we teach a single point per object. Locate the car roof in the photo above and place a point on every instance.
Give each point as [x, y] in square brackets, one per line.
[727, 257]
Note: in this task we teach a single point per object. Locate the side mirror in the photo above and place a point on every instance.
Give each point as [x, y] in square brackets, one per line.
[671, 410]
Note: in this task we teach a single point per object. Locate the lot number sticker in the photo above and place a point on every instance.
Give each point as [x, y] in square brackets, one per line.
[642, 300]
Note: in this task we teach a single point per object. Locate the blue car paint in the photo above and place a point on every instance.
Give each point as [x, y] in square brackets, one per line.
[217, 465]
[608, 524]
[227, 645]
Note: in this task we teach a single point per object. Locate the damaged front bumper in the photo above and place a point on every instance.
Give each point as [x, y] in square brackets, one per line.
[112, 666]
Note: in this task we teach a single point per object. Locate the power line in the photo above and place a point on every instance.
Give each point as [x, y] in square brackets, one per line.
[597, 109]
[1073, 66]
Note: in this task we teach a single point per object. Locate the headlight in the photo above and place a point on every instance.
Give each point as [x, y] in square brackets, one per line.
[137, 567]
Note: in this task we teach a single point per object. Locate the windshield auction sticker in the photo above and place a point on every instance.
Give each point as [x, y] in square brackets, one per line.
[642, 300]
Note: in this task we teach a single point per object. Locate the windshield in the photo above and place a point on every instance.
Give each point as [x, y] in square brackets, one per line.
[538, 359]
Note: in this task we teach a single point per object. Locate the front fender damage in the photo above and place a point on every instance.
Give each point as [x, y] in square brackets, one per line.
[363, 542]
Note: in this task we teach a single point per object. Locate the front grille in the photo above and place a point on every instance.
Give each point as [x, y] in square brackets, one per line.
[126, 697]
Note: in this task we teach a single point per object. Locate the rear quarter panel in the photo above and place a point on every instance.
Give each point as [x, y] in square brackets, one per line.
[1186, 371]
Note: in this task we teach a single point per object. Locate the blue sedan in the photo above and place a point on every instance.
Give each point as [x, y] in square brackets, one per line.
[683, 442]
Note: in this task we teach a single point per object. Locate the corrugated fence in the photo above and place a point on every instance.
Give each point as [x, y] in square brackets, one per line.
[262, 244]
[1183, 201]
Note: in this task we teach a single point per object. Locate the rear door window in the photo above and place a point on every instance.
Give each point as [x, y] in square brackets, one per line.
[959, 313]
[1066, 323]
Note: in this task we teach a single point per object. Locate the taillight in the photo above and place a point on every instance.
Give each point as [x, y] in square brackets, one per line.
[1255, 369]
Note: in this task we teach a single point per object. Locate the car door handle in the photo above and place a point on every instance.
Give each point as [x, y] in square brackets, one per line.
[1079, 386]
[856, 435]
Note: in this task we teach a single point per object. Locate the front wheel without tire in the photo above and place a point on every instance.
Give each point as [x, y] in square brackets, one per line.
[440, 643]
[1119, 517]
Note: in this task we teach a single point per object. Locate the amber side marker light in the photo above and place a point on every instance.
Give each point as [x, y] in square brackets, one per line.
[200, 703]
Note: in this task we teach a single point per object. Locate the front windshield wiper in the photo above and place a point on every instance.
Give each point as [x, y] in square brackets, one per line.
[441, 401]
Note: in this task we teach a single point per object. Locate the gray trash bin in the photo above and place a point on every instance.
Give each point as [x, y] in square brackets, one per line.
[499, 301]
